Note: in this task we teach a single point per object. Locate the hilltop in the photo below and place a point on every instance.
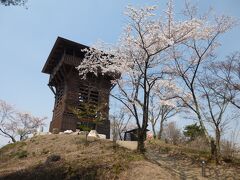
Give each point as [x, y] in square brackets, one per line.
[68, 157]
[61, 156]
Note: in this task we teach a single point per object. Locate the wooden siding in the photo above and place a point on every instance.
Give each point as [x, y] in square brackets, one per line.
[70, 88]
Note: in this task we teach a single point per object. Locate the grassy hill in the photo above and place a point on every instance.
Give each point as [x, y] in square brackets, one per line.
[68, 157]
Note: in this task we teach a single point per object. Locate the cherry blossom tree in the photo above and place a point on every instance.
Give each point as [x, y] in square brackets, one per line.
[27, 124]
[7, 123]
[120, 123]
[148, 43]
[15, 124]
[172, 133]
[190, 57]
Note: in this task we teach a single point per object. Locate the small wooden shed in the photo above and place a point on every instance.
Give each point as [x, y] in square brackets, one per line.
[132, 135]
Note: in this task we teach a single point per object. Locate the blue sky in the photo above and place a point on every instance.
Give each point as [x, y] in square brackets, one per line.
[27, 36]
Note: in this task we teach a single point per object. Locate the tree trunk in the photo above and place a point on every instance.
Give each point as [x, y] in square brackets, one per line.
[86, 138]
[161, 130]
[200, 117]
[9, 136]
[141, 137]
[120, 136]
[218, 136]
[114, 139]
[13, 139]
[154, 131]
[213, 151]
[146, 93]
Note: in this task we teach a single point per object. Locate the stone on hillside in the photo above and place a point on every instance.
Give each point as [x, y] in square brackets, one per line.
[93, 133]
[83, 132]
[68, 132]
[41, 133]
[102, 136]
[75, 133]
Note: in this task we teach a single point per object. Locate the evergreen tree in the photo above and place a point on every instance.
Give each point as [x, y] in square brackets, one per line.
[193, 131]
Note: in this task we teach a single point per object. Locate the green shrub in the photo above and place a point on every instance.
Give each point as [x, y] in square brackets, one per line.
[193, 131]
[21, 154]
[12, 146]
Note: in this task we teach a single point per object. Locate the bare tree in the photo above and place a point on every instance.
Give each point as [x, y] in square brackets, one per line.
[120, 123]
[154, 112]
[230, 147]
[224, 86]
[228, 73]
[160, 111]
[216, 106]
[166, 112]
[190, 58]
[14, 124]
[7, 123]
[172, 133]
[27, 124]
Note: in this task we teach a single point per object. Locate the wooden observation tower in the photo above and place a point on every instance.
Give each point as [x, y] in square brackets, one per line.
[72, 91]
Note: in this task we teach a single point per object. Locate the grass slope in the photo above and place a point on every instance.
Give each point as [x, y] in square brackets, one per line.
[68, 157]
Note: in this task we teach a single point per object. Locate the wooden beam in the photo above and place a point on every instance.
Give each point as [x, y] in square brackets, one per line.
[56, 69]
[61, 73]
[52, 89]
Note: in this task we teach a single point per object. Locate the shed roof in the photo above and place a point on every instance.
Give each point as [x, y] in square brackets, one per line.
[134, 130]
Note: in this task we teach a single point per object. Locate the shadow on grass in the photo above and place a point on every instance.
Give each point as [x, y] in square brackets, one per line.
[53, 171]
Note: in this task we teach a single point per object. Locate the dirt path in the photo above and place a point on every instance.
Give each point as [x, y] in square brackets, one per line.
[179, 166]
[132, 145]
[145, 170]
[187, 169]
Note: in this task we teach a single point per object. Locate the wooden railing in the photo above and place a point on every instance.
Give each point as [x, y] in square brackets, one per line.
[71, 60]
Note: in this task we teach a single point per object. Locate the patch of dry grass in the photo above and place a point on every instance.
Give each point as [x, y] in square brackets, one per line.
[162, 147]
[188, 161]
[76, 156]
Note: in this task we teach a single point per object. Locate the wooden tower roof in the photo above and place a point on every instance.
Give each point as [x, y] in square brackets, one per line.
[59, 47]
